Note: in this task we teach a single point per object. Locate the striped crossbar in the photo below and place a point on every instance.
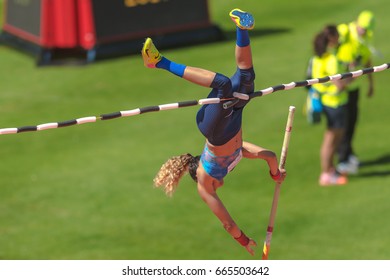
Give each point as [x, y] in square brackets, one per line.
[309, 82]
[226, 102]
[110, 116]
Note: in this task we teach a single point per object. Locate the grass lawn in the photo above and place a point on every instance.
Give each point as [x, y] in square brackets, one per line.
[86, 192]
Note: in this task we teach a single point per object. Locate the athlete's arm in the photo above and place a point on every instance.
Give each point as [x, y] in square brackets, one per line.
[207, 190]
[253, 151]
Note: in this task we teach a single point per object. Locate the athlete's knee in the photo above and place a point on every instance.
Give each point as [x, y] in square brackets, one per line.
[223, 84]
[247, 78]
[247, 75]
[220, 81]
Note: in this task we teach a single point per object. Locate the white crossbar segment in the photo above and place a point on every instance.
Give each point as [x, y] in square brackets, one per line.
[267, 91]
[47, 126]
[357, 73]
[380, 67]
[312, 81]
[169, 106]
[241, 96]
[209, 101]
[289, 86]
[129, 113]
[8, 130]
[335, 77]
[86, 120]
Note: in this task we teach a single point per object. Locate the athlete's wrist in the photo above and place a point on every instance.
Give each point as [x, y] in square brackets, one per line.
[242, 239]
[276, 176]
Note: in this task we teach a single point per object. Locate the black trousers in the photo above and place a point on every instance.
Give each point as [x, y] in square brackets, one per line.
[345, 148]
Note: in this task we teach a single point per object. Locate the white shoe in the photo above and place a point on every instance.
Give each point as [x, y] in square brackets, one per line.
[347, 168]
[353, 160]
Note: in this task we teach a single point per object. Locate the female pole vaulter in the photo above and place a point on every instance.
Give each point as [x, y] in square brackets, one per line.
[221, 127]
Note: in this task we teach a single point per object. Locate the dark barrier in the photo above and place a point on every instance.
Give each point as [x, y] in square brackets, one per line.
[122, 19]
[24, 17]
[120, 26]
[49, 24]
[101, 28]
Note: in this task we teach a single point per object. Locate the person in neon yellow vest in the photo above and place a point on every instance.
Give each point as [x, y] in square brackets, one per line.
[334, 99]
[355, 52]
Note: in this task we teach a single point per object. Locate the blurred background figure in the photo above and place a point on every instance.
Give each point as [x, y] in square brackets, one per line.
[333, 98]
[355, 52]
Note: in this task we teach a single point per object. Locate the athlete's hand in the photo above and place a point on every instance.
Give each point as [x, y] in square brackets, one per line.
[283, 175]
[279, 176]
[249, 248]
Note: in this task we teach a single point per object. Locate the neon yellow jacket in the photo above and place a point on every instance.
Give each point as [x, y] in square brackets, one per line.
[354, 49]
[323, 66]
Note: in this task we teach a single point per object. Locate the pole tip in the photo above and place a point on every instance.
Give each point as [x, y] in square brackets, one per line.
[291, 108]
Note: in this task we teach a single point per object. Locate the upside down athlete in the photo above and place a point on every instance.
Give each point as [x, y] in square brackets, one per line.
[221, 127]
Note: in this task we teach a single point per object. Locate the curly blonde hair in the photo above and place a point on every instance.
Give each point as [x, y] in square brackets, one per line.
[173, 170]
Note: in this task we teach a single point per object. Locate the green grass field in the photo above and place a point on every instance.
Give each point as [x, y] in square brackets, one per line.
[86, 192]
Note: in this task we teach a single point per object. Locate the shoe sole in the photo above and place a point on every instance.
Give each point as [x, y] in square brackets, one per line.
[242, 19]
[337, 184]
[332, 185]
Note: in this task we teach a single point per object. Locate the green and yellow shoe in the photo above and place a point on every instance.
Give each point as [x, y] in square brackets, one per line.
[242, 19]
[150, 54]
